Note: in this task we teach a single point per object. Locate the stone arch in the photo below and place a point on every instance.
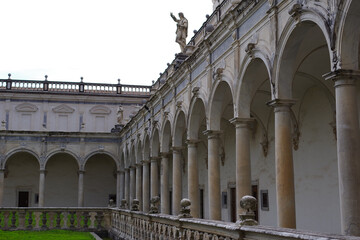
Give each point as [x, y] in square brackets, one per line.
[349, 36]
[250, 81]
[147, 147]
[292, 46]
[139, 152]
[155, 143]
[70, 153]
[221, 93]
[132, 155]
[166, 137]
[179, 128]
[113, 157]
[194, 119]
[19, 150]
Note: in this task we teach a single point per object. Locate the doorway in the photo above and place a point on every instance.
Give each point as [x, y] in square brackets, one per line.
[23, 199]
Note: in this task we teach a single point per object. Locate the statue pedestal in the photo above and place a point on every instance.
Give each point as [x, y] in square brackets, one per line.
[179, 59]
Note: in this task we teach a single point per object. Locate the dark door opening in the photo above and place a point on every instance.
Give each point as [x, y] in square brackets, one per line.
[233, 204]
[255, 195]
[23, 199]
[201, 203]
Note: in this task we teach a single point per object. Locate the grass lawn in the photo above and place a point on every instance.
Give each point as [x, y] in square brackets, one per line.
[45, 235]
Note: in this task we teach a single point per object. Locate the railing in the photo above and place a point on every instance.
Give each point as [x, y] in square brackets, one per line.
[77, 219]
[127, 224]
[73, 87]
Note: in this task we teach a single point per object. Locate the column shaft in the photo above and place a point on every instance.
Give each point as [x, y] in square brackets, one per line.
[154, 177]
[146, 186]
[193, 179]
[242, 158]
[42, 188]
[285, 190]
[81, 189]
[132, 184]
[177, 181]
[214, 176]
[139, 185]
[165, 198]
[120, 187]
[348, 148]
[1, 187]
[127, 185]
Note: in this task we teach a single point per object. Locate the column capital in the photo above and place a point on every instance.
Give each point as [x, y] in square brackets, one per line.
[44, 171]
[177, 149]
[127, 169]
[145, 162]
[165, 154]
[242, 122]
[192, 142]
[212, 133]
[81, 171]
[138, 165]
[154, 159]
[343, 77]
[119, 171]
[281, 105]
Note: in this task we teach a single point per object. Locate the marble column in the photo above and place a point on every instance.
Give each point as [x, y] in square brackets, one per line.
[119, 187]
[214, 174]
[2, 173]
[139, 185]
[285, 190]
[193, 178]
[146, 186]
[42, 188]
[177, 180]
[165, 195]
[81, 188]
[242, 159]
[132, 184]
[348, 148]
[127, 186]
[154, 177]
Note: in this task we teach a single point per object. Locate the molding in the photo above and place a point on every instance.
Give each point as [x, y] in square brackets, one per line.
[63, 108]
[26, 107]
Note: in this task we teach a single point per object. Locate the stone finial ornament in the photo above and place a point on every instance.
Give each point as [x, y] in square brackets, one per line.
[135, 205]
[123, 204]
[185, 208]
[248, 203]
[154, 202]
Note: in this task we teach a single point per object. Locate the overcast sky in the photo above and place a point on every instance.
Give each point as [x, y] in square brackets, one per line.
[100, 40]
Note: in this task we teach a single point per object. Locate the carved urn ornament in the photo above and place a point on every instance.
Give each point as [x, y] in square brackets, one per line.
[185, 208]
[248, 203]
[154, 202]
[135, 205]
[123, 204]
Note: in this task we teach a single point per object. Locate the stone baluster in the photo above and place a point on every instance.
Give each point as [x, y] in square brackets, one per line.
[2, 173]
[285, 190]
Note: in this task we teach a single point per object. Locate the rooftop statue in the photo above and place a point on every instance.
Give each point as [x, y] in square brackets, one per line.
[181, 31]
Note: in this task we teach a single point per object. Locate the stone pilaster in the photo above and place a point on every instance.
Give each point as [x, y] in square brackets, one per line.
[165, 197]
[146, 186]
[81, 188]
[193, 178]
[177, 180]
[242, 158]
[348, 148]
[285, 190]
[42, 188]
[214, 174]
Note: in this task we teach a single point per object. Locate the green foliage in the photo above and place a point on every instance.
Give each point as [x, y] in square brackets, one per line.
[45, 235]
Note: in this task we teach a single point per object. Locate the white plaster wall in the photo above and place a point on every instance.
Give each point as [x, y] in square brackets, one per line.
[99, 181]
[315, 167]
[23, 174]
[61, 181]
